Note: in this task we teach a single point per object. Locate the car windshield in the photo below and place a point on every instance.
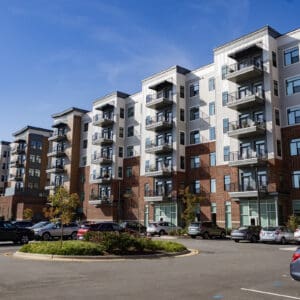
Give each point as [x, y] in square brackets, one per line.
[39, 224]
[269, 228]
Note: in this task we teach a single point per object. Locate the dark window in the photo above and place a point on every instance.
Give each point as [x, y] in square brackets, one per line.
[122, 113]
[182, 138]
[128, 171]
[195, 162]
[129, 151]
[182, 162]
[211, 84]
[278, 147]
[224, 71]
[85, 143]
[291, 56]
[194, 89]
[195, 137]
[120, 172]
[181, 91]
[296, 179]
[224, 98]
[227, 183]
[182, 115]
[274, 59]
[121, 132]
[212, 133]
[86, 127]
[295, 147]
[275, 82]
[194, 113]
[293, 115]
[130, 112]
[226, 153]
[130, 131]
[225, 125]
[120, 151]
[277, 117]
[292, 86]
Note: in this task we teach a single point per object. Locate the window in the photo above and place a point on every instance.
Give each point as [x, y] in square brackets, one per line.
[31, 172]
[293, 115]
[130, 131]
[83, 160]
[224, 71]
[128, 171]
[182, 115]
[122, 113]
[120, 172]
[5, 154]
[212, 158]
[292, 86]
[37, 172]
[181, 162]
[32, 158]
[129, 151]
[296, 207]
[38, 159]
[120, 151]
[85, 143]
[33, 144]
[275, 84]
[195, 162]
[274, 59]
[227, 183]
[277, 117]
[212, 108]
[182, 138]
[181, 91]
[195, 137]
[211, 84]
[130, 112]
[2, 178]
[278, 142]
[3, 166]
[121, 132]
[224, 98]
[291, 56]
[225, 125]
[212, 133]
[196, 187]
[296, 179]
[226, 151]
[86, 127]
[295, 147]
[213, 185]
[194, 113]
[39, 145]
[194, 89]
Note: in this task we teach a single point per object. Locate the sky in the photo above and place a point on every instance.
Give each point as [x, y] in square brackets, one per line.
[58, 54]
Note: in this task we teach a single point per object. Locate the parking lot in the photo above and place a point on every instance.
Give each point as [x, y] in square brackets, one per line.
[222, 270]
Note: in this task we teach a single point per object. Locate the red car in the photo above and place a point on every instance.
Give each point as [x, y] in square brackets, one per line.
[102, 226]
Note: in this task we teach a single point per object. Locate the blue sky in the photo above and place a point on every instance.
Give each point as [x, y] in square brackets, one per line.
[57, 54]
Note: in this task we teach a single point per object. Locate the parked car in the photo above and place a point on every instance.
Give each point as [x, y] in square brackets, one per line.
[161, 228]
[101, 226]
[53, 230]
[23, 224]
[248, 233]
[276, 234]
[10, 232]
[39, 225]
[206, 230]
[133, 227]
[297, 234]
[295, 265]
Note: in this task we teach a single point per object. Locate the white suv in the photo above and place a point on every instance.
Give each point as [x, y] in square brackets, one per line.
[161, 228]
[53, 230]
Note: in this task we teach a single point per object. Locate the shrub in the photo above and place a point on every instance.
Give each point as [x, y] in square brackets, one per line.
[67, 248]
[293, 222]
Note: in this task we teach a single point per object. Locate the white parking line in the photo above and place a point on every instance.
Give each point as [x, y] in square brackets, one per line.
[272, 294]
[289, 249]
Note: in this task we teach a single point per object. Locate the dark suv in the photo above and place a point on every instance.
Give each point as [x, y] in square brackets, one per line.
[10, 232]
[101, 226]
[133, 227]
[247, 233]
[206, 230]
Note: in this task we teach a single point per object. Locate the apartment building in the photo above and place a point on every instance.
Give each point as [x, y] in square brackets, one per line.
[4, 165]
[227, 132]
[27, 177]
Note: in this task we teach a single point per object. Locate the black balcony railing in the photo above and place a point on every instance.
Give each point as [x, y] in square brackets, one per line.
[257, 63]
[152, 144]
[245, 123]
[252, 186]
[237, 155]
[154, 120]
[239, 95]
[158, 193]
[162, 95]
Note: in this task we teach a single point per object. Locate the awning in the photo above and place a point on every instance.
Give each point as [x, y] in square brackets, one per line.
[247, 51]
[106, 106]
[161, 85]
[59, 124]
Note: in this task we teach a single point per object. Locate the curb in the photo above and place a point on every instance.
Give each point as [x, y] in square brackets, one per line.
[52, 257]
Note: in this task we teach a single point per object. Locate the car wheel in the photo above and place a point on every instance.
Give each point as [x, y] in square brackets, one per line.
[162, 232]
[193, 236]
[73, 235]
[24, 239]
[253, 239]
[236, 241]
[46, 236]
[223, 235]
[283, 241]
[206, 235]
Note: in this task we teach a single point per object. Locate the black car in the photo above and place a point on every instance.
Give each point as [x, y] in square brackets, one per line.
[10, 232]
[133, 227]
[101, 226]
[23, 224]
[248, 233]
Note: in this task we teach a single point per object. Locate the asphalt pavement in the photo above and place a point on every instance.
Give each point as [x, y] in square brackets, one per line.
[222, 270]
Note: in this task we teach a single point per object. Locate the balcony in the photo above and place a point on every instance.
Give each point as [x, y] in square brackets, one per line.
[99, 178]
[245, 101]
[18, 163]
[56, 168]
[249, 191]
[97, 200]
[158, 172]
[102, 139]
[246, 128]
[159, 100]
[158, 124]
[58, 136]
[245, 70]
[155, 148]
[156, 196]
[101, 159]
[56, 152]
[18, 150]
[103, 120]
[249, 158]
[17, 176]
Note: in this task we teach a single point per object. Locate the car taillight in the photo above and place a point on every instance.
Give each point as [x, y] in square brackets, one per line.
[295, 256]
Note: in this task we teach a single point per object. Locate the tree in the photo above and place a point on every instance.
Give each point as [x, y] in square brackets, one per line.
[293, 222]
[27, 214]
[190, 202]
[62, 207]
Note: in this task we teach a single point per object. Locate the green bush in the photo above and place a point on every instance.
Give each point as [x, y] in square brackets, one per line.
[68, 248]
[168, 246]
